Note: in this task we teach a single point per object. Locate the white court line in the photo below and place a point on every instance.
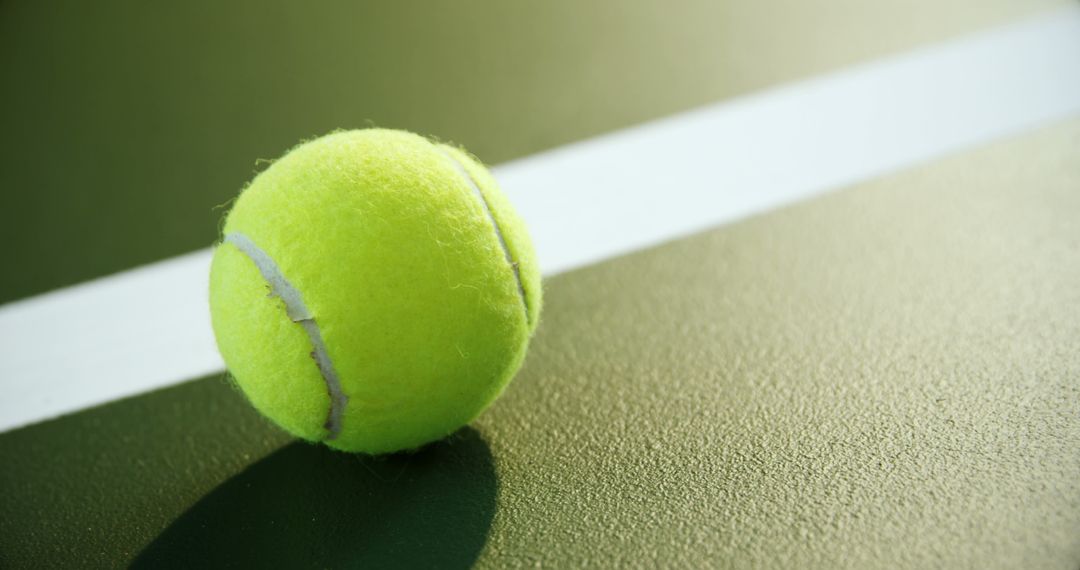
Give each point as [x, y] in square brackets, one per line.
[148, 327]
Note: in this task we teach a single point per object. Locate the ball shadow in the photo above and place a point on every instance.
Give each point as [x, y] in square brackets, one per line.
[310, 506]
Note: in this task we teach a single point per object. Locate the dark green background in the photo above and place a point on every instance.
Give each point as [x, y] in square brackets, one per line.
[125, 122]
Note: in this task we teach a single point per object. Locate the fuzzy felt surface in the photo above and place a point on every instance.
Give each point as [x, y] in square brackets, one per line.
[404, 273]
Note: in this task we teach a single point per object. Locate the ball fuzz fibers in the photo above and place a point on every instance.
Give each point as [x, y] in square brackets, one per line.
[373, 290]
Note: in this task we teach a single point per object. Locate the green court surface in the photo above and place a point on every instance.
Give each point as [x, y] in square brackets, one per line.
[844, 385]
[884, 376]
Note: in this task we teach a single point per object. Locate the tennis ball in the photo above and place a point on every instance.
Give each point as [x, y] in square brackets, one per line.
[373, 290]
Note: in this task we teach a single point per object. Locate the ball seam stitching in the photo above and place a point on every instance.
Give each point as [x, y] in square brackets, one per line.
[475, 188]
[298, 312]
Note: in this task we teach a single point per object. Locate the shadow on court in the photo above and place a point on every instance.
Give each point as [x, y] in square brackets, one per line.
[309, 506]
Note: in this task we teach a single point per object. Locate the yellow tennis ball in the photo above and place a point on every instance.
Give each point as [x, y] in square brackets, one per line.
[373, 290]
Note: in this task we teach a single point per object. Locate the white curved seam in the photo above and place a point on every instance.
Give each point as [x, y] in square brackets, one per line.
[494, 224]
[298, 313]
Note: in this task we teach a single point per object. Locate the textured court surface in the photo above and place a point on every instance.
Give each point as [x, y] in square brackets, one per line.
[884, 376]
